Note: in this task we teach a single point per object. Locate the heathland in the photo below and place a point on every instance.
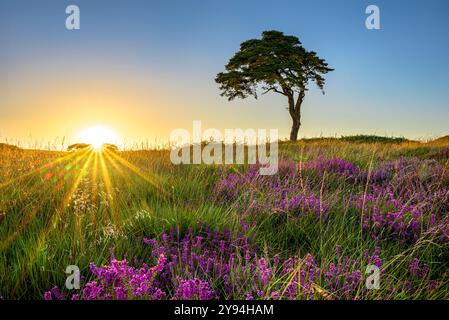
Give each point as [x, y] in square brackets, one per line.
[139, 227]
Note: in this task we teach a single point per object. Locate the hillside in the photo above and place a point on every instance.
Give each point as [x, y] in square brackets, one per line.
[5, 146]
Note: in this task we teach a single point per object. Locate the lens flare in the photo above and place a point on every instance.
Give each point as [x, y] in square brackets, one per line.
[97, 136]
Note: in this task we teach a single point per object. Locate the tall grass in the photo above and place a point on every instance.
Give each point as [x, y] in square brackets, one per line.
[59, 209]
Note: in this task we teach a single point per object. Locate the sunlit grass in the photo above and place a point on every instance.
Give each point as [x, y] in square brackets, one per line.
[59, 209]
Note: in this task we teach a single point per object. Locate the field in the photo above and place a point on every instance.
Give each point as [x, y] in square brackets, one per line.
[139, 227]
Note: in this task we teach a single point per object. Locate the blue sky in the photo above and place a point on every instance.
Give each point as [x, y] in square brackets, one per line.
[149, 67]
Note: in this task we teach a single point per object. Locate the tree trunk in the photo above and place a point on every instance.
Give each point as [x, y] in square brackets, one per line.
[294, 131]
[295, 112]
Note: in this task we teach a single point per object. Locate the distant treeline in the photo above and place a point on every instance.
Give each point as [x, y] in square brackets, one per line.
[354, 139]
[81, 146]
[361, 138]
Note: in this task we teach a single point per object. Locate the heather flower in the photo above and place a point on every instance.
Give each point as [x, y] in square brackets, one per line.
[336, 166]
[54, 294]
[47, 296]
[440, 154]
[281, 193]
[276, 259]
[417, 271]
[92, 291]
[120, 293]
[275, 295]
[226, 265]
[338, 250]
[194, 289]
[301, 205]
[388, 215]
[265, 272]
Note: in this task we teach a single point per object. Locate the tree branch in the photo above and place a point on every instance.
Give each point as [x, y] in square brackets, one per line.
[274, 90]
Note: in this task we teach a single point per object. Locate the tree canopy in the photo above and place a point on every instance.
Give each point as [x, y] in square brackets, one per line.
[78, 146]
[276, 63]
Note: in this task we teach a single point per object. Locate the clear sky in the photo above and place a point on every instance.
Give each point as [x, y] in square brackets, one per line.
[145, 68]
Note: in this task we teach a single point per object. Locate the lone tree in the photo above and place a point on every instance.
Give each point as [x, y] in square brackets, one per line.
[110, 147]
[276, 63]
[79, 146]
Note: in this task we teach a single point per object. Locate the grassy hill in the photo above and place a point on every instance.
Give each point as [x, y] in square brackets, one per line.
[334, 208]
[441, 140]
[360, 139]
[5, 146]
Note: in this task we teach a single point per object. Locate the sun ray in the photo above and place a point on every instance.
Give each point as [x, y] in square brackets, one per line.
[116, 165]
[36, 184]
[45, 166]
[94, 189]
[54, 219]
[152, 179]
[26, 220]
[109, 189]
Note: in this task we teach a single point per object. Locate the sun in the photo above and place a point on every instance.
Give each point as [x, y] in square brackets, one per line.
[97, 136]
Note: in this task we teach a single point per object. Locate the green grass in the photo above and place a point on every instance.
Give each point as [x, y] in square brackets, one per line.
[42, 230]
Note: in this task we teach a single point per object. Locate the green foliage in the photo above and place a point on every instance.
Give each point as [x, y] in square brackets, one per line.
[277, 62]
